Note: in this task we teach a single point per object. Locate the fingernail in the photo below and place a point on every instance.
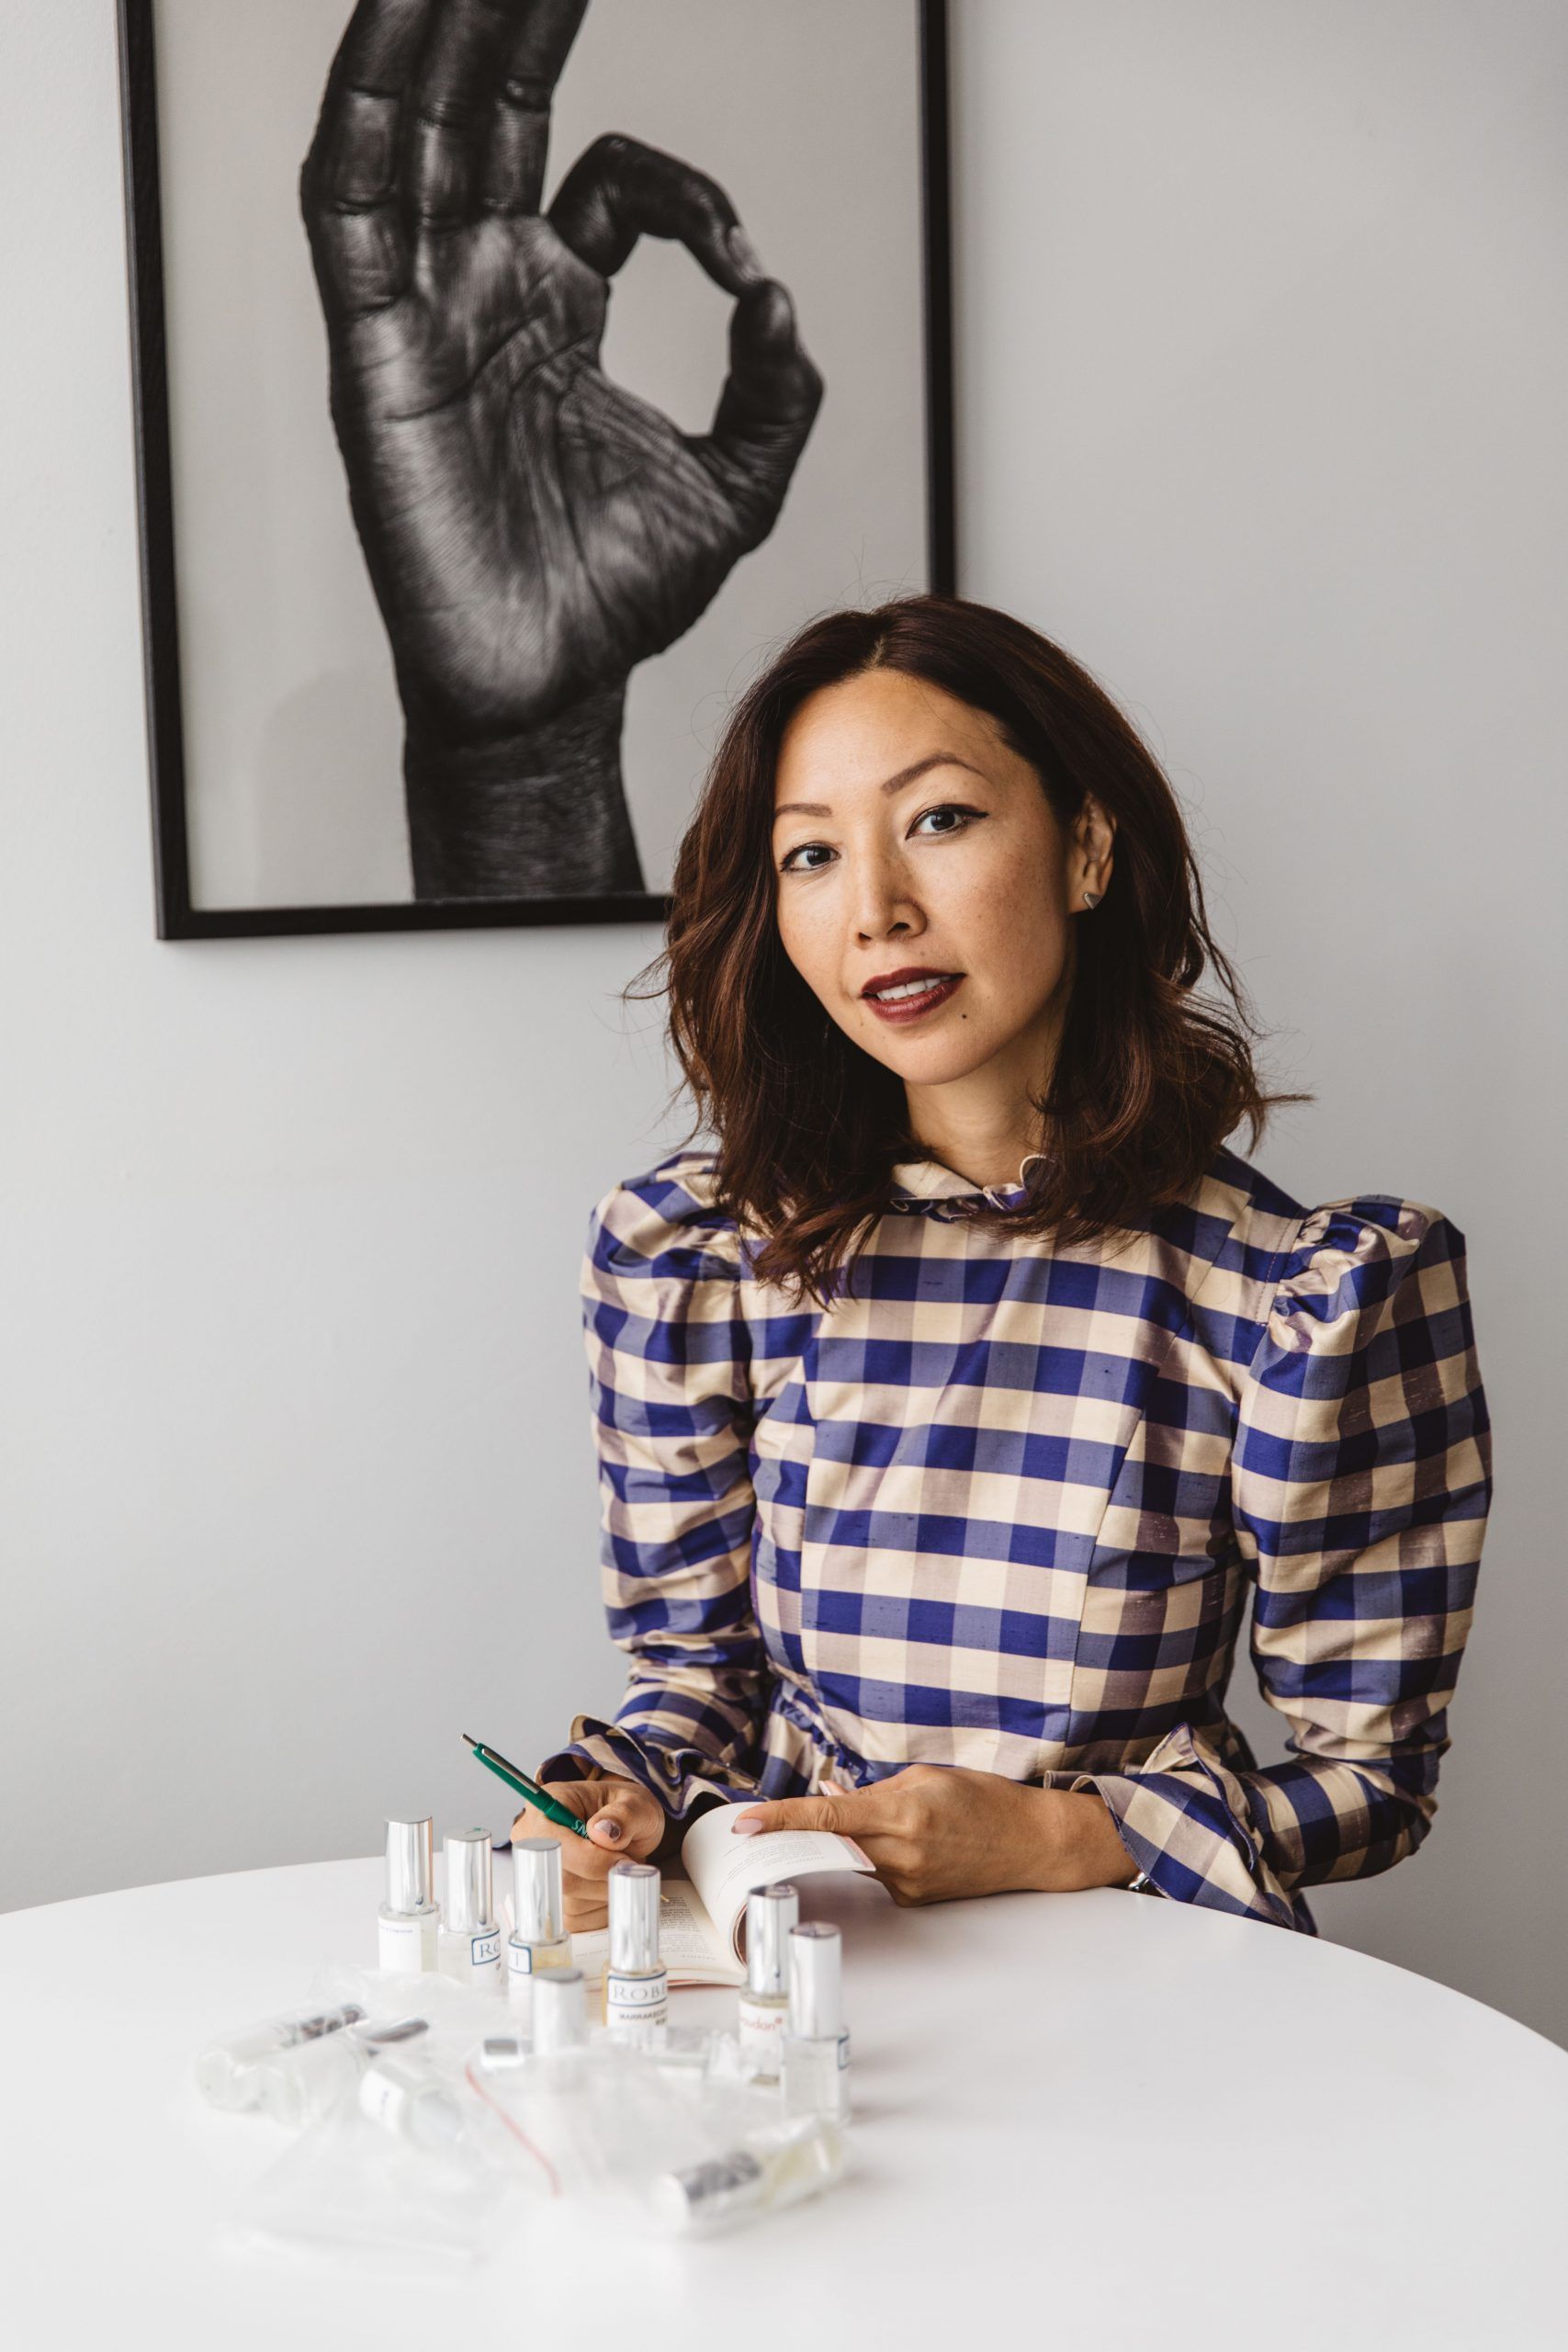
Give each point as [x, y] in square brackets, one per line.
[745, 1824]
[744, 253]
[610, 1830]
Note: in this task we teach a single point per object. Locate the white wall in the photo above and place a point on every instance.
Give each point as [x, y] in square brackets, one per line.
[1261, 359]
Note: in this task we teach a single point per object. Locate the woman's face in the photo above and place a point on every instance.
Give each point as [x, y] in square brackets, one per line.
[926, 891]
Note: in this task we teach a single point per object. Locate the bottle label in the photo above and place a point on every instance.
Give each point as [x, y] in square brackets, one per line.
[381, 2099]
[534, 1960]
[484, 1951]
[407, 1944]
[762, 2027]
[645, 1998]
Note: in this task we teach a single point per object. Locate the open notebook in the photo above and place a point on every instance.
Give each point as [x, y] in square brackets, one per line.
[702, 1914]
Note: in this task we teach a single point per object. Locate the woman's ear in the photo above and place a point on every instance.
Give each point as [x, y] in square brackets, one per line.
[1090, 858]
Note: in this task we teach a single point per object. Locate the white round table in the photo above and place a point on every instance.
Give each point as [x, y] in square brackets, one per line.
[1088, 2120]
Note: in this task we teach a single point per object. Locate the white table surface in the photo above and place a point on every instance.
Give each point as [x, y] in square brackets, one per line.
[1086, 2120]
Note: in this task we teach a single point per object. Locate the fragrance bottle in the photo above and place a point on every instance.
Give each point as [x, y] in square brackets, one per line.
[771, 1913]
[776, 2165]
[470, 1938]
[561, 2014]
[538, 1942]
[816, 2048]
[637, 1990]
[408, 1921]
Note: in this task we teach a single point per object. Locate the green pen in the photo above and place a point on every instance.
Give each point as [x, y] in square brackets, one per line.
[497, 1763]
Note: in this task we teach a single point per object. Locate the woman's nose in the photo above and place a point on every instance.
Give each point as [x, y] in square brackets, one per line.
[884, 907]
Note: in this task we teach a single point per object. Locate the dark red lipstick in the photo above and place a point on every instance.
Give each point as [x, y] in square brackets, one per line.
[911, 1001]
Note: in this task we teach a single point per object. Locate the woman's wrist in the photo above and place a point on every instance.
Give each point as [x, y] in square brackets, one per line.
[1083, 1847]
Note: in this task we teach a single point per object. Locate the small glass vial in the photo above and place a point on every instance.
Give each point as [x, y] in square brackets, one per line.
[817, 2048]
[411, 2101]
[775, 2166]
[409, 1920]
[771, 1913]
[232, 2072]
[538, 1942]
[303, 2085]
[637, 1990]
[470, 1938]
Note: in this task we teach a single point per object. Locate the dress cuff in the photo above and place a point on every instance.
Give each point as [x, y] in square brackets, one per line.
[674, 1774]
[1182, 1816]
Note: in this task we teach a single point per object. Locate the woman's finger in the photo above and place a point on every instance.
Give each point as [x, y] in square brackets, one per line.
[858, 1813]
[625, 1823]
[619, 190]
[628, 1824]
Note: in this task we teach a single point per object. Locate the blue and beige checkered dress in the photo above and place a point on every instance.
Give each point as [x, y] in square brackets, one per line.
[1003, 1505]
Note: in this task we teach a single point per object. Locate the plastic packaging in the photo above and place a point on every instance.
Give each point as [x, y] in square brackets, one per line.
[365, 2183]
[669, 2149]
[301, 2085]
[232, 2072]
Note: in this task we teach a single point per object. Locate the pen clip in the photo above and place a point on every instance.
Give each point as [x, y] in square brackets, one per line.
[482, 1747]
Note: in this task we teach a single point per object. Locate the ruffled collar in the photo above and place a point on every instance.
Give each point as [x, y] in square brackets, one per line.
[929, 1189]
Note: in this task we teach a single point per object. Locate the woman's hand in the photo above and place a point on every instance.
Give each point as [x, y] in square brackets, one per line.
[938, 1831]
[626, 1822]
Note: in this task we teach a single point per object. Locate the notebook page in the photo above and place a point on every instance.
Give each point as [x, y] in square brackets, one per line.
[725, 1867]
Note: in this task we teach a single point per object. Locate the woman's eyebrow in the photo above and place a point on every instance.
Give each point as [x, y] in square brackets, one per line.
[889, 783]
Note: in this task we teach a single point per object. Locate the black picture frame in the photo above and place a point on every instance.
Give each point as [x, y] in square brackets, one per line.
[177, 918]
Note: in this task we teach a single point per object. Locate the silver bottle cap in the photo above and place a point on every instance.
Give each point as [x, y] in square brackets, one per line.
[469, 1894]
[771, 1913]
[708, 2194]
[560, 2011]
[536, 1890]
[816, 1982]
[411, 1865]
[634, 1919]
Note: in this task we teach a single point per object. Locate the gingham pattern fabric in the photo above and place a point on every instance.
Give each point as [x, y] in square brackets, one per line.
[1003, 1505]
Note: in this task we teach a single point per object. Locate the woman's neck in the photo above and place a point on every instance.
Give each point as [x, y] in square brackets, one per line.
[984, 1140]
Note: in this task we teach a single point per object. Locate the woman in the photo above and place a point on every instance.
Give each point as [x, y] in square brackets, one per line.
[951, 1408]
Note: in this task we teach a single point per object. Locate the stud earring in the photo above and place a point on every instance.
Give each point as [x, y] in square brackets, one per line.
[1092, 898]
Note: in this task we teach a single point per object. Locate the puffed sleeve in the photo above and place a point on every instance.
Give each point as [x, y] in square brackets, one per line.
[1361, 1479]
[669, 1362]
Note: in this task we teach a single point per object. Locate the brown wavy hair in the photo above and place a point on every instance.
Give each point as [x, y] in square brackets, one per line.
[1150, 1076]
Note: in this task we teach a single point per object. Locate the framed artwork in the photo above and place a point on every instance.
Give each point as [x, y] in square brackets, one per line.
[512, 378]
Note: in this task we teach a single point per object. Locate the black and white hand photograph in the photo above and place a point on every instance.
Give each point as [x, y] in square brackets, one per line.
[527, 368]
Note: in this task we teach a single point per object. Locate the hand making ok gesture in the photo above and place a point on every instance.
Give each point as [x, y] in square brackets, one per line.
[532, 529]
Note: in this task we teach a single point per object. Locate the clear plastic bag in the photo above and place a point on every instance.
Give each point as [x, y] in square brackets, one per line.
[233, 2072]
[392, 2169]
[671, 2148]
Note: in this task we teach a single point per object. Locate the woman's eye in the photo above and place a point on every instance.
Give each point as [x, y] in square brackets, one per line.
[950, 818]
[807, 858]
